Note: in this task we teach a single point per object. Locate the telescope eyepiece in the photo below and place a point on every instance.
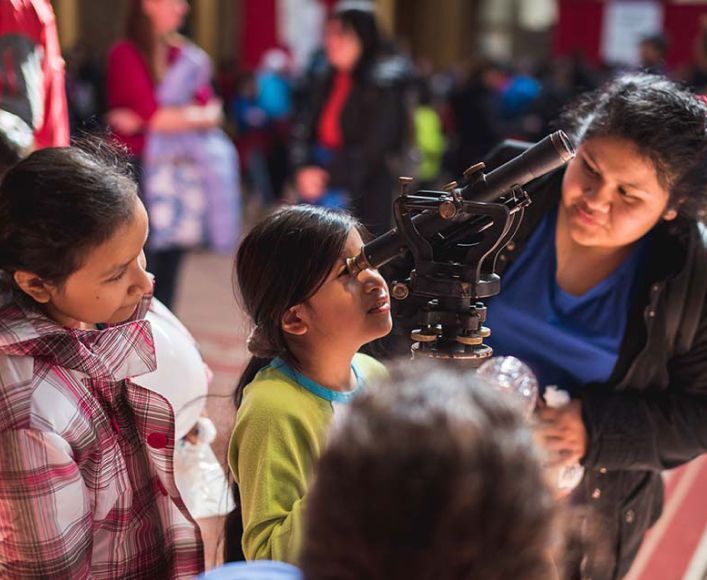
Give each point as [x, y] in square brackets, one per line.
[563, 146]
[357, 264]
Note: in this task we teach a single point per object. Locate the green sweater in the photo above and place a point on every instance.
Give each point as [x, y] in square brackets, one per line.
[279, 434]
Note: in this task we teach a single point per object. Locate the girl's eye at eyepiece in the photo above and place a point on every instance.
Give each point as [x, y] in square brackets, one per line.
[117, 277]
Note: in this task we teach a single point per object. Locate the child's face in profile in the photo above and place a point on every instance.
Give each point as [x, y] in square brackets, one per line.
[348, 311]
[111, 281]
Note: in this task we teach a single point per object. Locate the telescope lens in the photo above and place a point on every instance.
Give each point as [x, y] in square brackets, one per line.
[563, 145]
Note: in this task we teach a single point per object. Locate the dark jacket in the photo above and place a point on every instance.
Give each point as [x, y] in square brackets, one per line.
[374, 125]
[652, 413]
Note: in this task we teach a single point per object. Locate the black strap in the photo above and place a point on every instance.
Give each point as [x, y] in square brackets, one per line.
[233, 531]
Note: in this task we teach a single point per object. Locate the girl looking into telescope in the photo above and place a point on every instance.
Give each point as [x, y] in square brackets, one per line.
[603, 294]
[310, 319]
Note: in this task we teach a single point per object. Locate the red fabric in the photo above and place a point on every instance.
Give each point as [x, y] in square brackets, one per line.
[261, 32]
[578, 29]
[35, 19]
[130, 85]
[329, 130]
[204, 95]
[682, 24]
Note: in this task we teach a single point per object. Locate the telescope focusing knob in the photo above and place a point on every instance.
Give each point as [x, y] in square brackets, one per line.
[404, 183]
[447, 210]
[470, 173]
[400, 291]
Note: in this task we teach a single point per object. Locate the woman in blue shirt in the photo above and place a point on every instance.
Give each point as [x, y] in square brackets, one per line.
[603, 295]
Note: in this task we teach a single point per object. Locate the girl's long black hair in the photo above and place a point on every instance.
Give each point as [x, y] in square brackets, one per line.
[282, 262]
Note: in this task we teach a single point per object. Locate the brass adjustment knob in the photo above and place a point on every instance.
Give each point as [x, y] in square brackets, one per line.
[404, 183]
[400, 291]
[470, 340]
[421, 336]
[447, 210]
[469, 172]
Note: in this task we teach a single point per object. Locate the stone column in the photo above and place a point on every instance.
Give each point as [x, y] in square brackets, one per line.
[68, 21]
[206, 19]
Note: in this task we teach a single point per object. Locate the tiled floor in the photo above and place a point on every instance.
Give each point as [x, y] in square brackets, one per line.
[207, 307]
[675, 549]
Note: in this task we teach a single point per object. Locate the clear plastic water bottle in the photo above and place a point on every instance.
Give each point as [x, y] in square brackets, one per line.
[568, 476]
[510, 375]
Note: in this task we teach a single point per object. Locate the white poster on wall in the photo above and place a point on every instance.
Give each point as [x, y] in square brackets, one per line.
[626, 23]
[300, 26]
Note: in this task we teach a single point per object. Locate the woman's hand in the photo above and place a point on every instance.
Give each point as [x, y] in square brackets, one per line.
[311, 182]
[213, 113]
[125, 121]
[561, 432]
[188, 117]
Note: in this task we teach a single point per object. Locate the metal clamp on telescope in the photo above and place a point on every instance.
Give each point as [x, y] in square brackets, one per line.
[454, 237]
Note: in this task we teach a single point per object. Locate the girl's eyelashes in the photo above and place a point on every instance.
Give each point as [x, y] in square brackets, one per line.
[118, 276]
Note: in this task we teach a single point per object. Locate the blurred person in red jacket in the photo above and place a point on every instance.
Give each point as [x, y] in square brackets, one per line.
[32, 91]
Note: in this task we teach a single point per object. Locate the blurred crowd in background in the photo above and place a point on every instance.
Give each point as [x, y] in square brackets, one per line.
[216, 145]
[456, 114]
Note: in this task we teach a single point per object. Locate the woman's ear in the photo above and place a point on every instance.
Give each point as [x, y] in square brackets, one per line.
[292, 322]
[671, 210]
[33, 286]
[670, 214]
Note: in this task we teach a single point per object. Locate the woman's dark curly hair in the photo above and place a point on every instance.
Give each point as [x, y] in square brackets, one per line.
[666, 122]
[429, 475]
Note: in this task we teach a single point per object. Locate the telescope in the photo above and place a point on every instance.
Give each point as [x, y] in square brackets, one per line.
[454, 237]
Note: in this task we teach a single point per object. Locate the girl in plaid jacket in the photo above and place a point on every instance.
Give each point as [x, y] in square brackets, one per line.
[86, 482]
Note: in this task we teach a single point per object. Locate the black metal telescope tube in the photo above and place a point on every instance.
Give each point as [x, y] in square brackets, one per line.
[552, 152]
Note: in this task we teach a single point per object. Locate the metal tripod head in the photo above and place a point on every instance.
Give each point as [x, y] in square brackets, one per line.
[454, 237]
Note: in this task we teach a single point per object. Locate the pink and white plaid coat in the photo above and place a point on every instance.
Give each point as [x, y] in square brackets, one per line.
[86, 481]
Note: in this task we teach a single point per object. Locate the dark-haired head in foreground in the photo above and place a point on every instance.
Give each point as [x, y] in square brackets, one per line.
[430, 475]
